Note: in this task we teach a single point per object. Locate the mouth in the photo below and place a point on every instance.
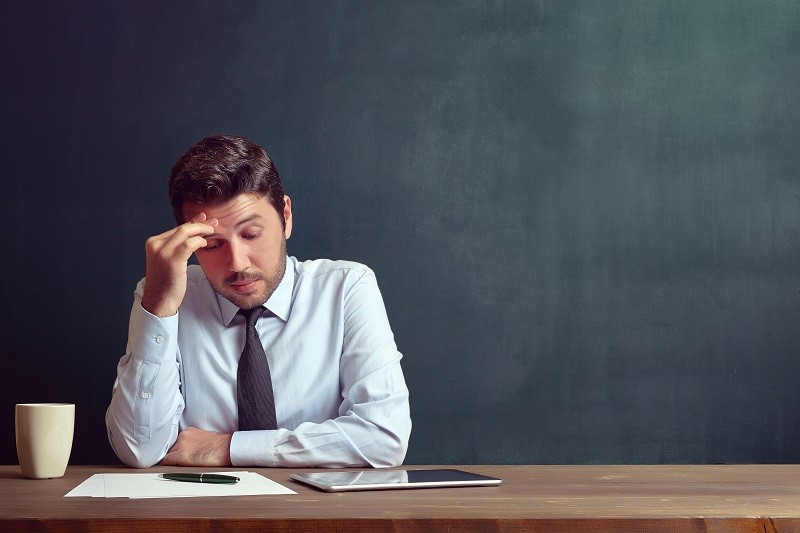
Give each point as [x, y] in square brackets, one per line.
[244, 286]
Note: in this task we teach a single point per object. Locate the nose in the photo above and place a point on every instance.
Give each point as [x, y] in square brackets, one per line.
[238, 260]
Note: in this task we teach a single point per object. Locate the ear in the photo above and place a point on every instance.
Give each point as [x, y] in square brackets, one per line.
[287, 216]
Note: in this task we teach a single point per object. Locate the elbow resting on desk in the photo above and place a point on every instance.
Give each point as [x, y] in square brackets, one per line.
[134, 456]
[390, 447]
[392, 453]
[133, 460]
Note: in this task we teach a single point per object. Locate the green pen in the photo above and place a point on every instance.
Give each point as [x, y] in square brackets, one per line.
[200, 478]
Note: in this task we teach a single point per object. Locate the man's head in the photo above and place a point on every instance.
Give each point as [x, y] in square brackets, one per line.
[216, 169]
[231, 183]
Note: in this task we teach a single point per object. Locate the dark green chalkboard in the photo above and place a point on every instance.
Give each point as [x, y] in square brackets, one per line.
[583, 215]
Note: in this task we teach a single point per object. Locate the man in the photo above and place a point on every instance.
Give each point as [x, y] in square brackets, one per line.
[319, 383]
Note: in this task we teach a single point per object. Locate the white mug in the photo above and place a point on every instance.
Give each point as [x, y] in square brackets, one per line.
[44, 438]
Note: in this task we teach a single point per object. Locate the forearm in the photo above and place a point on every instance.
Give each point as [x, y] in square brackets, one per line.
[337, 443]
[142, 419]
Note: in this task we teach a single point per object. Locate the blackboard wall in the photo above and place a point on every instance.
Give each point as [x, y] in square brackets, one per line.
[583, 215]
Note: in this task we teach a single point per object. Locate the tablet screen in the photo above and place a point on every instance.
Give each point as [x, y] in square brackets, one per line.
[393, 479]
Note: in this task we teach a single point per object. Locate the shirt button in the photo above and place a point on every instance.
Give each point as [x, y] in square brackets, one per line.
[145, 395]
[159, 339]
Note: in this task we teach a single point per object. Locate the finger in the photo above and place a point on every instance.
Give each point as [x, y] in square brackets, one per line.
[190, 246]
[162, 236]
[195, 228]
[203, 218]
[176, 235]
[178, 238]
[182, 243]
[200, 227]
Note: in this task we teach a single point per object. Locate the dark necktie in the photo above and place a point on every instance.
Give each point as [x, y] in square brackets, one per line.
[254, 383]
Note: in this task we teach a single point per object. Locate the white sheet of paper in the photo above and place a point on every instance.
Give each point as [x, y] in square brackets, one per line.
[91, 487]
[151, 486]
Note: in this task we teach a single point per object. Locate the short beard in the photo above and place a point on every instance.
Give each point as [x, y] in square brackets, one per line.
[271, 279]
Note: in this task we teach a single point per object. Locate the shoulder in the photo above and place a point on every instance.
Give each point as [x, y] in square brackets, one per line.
[326, 269]
[324, 276]
[347, 285]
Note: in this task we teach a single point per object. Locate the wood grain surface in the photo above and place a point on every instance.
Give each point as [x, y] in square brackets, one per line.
[735, 498]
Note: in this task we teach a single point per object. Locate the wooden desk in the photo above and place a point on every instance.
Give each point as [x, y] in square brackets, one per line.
[531, 498]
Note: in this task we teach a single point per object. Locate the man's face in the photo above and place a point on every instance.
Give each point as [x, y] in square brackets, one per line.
[246, 256]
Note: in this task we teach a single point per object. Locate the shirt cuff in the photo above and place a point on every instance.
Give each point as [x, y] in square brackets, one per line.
[253, 448]
[152, 337]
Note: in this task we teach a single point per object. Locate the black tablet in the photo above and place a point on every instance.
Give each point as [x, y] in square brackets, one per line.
[393, 479]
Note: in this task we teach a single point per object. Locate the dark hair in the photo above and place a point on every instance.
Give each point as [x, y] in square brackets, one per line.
[216, 169]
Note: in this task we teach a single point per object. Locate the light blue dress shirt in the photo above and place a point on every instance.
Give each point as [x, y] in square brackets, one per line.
[340, 396]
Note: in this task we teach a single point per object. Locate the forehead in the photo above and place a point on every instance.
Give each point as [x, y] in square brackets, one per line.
[228, 213]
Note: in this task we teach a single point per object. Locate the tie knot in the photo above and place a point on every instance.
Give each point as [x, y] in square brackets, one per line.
[251, 315]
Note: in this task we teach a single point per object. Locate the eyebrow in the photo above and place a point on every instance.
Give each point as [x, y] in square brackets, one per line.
[251, 218]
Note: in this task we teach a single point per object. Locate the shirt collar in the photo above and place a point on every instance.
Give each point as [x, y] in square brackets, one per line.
[280, 303]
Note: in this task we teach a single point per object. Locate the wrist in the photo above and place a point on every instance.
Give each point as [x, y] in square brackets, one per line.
[225, 448]
[157, 307]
